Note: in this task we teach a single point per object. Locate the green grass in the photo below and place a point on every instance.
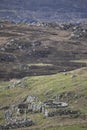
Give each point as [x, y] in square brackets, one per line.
[80, 61]
[3, 84]
[40, 85]
[2, 121]
[58, 83]
[68, 128]
[46, 87]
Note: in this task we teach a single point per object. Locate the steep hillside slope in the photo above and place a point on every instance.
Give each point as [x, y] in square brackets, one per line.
[71, 87]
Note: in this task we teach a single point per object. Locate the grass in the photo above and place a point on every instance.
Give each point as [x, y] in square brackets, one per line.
[3, 84]
[40, 85]
[58, 83]
[68, 128]
[39, 65]
[80, 61]
[74, 127]
[46, 87]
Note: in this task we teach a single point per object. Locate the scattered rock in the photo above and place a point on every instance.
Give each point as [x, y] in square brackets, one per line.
[17, 123]
[4, 107]
[61, 112]
[55, 104]
[46, 113]
[5, 57]
[8, 116]
[2, 49]
[78, 32]
[19, 83]
[67, 96]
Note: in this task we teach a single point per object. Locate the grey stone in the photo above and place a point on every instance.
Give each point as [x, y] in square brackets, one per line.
[55, 104]
[8, 116]
[43, 109]
[30, 99]
[2, 49]
[46, 113]
[19, 83]
[18, 123]
[64, 112]
[58, 96]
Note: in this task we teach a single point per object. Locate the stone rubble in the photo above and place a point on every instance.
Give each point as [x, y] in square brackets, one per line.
[17, 123]
[61, 112]
[31, 104]
[78, 32]
[18, 83]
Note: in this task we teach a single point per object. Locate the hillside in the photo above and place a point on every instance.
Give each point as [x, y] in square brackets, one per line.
[27, 50]
[42, 11]
[43, 76]
[71, 88]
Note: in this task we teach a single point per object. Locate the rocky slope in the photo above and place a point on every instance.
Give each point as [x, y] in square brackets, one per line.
[40, 49]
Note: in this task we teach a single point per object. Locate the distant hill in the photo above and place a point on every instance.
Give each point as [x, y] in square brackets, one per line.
[58, 5]
[43, 10]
